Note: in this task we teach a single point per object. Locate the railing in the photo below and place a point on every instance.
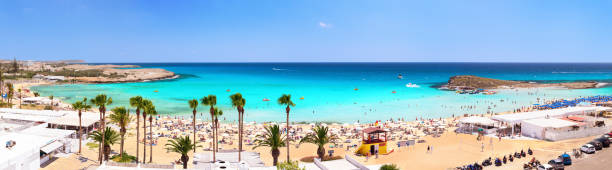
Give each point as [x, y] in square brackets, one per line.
[355, 163]
[318, 163]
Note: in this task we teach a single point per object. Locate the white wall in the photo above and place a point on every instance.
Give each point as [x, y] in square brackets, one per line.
[27, 162]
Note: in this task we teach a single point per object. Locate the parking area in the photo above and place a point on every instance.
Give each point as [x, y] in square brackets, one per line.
[599, 160]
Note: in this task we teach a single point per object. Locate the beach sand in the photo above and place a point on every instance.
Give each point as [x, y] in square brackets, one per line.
[449, 150]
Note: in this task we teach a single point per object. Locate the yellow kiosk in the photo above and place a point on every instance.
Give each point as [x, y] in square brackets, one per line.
[373, 143]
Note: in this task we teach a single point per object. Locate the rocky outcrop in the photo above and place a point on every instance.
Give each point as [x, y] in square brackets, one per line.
[475, 82]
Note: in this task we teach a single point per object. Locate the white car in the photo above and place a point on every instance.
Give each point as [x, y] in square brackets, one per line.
[545, 167]
[588, 148]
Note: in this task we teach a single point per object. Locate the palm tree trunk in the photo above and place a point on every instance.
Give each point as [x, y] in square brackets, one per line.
[321, 152]
[239, 135]
[151, 139]
[144, 140]
[137, 133]
[122, 140]
[194, 130]
[103, 129]
[184, 159]
[275, 154]
[212, 121]
[80, 132]
[288, 137]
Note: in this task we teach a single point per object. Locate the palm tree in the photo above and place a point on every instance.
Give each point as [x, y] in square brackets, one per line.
[239, 102]
[147, 105]
[193, 104]
[10, 92]
[285, 99]
[110, 137]
[138, 103]
[319, 137]
[151, 112]
[211, 100]
[122, 118]
[218, 113]
[182, 145]
[80, 106]
[101, 101]
[271, 138]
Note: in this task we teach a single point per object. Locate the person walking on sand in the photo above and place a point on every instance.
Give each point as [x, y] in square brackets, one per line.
[482, 148]
[428, 149]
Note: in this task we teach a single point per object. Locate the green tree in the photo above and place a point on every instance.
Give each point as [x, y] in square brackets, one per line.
[15, 65]
[51, 98]
[320, 137]
[211, 100]
[137, 102]
[152, 113]
[122, 118]
[80, 106]
[19, 93]
[218, 113]
[102, 101]
[181, 145]
[109, 138]
[10, 92]
[389, 167]
[193, 104]
[285, 100]
[238, 102]
[271, 138]
[147, 106]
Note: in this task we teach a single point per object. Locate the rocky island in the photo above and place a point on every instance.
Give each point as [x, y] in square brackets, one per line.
[475, 82]
[118, 73]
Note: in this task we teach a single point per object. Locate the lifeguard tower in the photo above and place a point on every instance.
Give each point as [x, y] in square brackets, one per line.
[373, 143]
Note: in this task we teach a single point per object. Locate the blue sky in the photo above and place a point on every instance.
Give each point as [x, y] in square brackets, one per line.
[307, 30]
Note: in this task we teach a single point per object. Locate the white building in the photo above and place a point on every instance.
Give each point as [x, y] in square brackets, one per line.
[24, 155]
[547, 125]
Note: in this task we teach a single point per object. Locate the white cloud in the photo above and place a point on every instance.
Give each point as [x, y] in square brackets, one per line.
[324, 25]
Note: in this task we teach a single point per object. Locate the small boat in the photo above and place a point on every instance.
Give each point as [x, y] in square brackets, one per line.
[302, 98]
[410, 85]
[228, 90]
[155, 91]
[400, 76]
[266, 99]
[393, 92]
[356, 89]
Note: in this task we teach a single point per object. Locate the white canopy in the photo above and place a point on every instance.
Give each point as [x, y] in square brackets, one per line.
[51, 147]
[477, 120]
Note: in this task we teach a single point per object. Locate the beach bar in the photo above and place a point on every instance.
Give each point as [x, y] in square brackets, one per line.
[373, 143]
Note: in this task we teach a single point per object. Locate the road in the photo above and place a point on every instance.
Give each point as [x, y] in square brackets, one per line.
[599, 160]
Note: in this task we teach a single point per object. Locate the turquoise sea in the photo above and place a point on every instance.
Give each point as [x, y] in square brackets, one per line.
[329, 91]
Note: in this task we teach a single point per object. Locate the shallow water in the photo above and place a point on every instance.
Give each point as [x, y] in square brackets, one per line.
[329, 88]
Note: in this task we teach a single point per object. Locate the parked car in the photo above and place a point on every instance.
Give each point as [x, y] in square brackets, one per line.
[607, 136]
[588, 148]
[557, 164]
[605, 142]
[596, 144]
[545, 167]
[567, 159]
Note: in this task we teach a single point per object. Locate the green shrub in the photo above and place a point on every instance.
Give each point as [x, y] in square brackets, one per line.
[389, 167]
[48, 108]
[291, 165]
[125, 159]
